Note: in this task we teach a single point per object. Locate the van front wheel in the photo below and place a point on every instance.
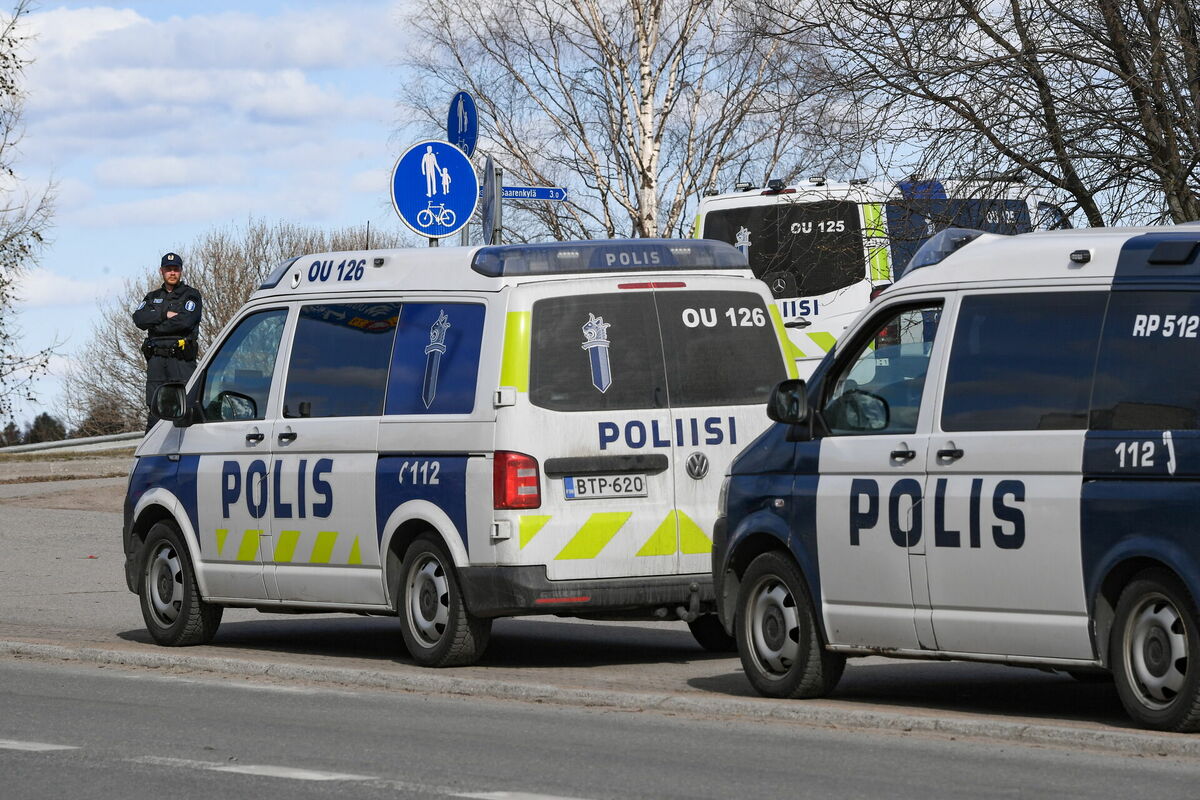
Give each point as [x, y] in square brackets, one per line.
[777, 635]
[170, 599]
[1155, 653]
[437, 628]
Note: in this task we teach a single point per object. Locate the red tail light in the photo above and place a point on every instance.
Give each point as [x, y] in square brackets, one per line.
[878, 290]
[515, 481]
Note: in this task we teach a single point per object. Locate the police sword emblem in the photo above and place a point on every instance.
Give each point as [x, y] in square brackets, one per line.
[433, 357]
[595, 336]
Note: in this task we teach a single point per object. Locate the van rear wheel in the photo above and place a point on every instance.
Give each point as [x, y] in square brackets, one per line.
[437, 628]
[777, 634]
[1155, 652]
[169, 596]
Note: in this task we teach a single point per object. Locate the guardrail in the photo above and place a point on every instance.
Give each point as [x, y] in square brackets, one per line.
[110, 442]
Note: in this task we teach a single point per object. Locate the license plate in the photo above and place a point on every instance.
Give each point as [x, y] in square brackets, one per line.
[585, 488]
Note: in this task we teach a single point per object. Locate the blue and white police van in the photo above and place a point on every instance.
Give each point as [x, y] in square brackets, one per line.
[451, 435]
[1000, 461]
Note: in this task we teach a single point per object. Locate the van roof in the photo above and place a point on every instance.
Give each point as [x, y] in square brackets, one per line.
[491, 268]
[1157, 252]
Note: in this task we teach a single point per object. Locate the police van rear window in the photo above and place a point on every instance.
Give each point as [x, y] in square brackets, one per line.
[653, 350]
[1145, 374]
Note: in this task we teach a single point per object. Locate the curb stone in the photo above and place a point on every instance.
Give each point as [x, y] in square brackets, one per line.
[1124, 742]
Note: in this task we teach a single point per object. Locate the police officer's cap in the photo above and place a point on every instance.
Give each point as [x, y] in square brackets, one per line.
[171, 260]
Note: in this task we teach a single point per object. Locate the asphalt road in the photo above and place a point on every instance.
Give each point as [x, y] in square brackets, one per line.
[62, 597]
[69, 731]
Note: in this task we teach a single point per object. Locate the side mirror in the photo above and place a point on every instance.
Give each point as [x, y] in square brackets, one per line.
[789, 402]
[170, 402]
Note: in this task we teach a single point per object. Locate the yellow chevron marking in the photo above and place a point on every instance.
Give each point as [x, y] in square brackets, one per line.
[285, 548]
[789, 349]
[221, 534]
[323, 549]
[692, 539]
[355, 553]
[664, 540]
[529, 527]
[823, 340]
[249, 549]
[594, 535]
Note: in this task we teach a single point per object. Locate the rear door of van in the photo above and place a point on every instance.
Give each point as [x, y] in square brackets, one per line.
[723, 355]
[597, 420]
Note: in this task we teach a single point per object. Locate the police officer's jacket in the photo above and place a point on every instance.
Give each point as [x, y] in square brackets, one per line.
[163, 335]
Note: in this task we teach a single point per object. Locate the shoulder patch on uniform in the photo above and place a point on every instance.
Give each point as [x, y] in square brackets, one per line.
[140, 307]
[190, 305]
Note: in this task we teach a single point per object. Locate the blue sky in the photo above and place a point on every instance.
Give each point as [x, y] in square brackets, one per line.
[161, 120]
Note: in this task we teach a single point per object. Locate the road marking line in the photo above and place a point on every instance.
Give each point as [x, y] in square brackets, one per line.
[290, 772]
[36, 747]
[513, 796]
[266, 770]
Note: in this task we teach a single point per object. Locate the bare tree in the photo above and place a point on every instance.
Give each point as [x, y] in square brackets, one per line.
[636, 106]
[105, 387]
[1098, 100]
[23, 217]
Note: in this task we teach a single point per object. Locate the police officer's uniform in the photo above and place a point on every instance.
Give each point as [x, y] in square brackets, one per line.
[170, 347]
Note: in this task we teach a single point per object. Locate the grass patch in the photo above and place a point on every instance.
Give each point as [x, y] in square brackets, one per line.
[51, 478]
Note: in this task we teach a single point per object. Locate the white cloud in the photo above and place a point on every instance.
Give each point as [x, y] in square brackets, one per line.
[154, 172]
[41, 288]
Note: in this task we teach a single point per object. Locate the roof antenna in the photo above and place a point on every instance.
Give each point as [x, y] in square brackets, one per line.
[368, 247]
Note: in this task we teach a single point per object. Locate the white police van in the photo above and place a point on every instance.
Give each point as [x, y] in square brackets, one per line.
[1000, 461]
[451, 435]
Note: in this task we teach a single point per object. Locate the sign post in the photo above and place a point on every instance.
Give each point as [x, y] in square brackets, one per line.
[434, 189]
[493, 208]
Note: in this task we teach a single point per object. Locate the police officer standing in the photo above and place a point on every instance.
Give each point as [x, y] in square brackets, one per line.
[170, 316]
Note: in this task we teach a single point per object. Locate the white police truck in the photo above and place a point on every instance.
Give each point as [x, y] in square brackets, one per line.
[451, 435]
[1000, 461]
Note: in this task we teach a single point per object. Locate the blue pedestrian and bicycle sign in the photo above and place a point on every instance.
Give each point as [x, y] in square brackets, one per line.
[434, 188]
[462, 123]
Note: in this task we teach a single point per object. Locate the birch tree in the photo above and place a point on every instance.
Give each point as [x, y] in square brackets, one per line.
[636, 106]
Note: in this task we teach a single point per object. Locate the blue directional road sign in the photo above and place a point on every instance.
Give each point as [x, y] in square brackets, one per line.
[434, 188]
[534, 193]
[462, 123]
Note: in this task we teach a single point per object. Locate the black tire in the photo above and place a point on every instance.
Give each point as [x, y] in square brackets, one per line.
[778, 638]
[710, 634]
[175, 614]
[437, 628]
[1154, 651]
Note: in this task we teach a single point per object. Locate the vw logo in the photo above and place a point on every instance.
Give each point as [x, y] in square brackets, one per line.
[697, 466]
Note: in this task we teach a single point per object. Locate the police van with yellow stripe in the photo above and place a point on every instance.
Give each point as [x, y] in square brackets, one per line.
[1000, 461]
[452, 435]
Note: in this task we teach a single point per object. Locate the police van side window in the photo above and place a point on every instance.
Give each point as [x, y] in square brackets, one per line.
[1145, 374]
[1022, 361]
[597, 352]
[879, 389]
[339, 360]
[237, 382]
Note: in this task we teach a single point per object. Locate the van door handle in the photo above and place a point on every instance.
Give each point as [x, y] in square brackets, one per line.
[904, 455]
[950, 454]
[289, 436]
[255, 438]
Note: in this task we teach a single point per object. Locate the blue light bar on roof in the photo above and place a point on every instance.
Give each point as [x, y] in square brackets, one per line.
[277, 274]
[609, 255]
